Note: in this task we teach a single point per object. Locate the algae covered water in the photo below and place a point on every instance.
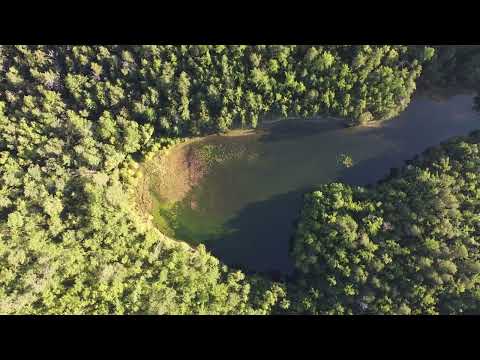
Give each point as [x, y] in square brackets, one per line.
[244, 207]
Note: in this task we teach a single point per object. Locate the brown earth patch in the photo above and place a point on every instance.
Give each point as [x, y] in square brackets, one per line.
[172, 173]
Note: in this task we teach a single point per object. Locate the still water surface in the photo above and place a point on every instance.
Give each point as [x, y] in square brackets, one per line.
[245, 208]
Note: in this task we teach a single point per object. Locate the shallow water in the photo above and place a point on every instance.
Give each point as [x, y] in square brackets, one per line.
[244, 210]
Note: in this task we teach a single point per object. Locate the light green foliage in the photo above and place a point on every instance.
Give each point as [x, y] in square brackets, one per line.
[365, 118]
[73, 119]
[70, 242]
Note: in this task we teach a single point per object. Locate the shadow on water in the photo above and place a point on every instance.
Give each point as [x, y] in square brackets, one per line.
[262, 231]
[260, 240]
[255, 235]
[368, 172]
[293, 129]
[425, 122]
[420, 127]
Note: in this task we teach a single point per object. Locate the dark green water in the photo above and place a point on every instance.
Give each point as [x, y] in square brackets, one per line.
[245, 208]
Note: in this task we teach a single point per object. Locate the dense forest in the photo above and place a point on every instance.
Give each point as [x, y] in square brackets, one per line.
[453, 66]
[75, 121]
[408, 246]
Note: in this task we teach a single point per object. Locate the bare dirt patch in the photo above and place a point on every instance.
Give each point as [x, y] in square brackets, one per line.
[172, 173]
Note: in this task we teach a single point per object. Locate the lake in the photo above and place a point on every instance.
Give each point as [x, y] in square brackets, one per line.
[245, 208]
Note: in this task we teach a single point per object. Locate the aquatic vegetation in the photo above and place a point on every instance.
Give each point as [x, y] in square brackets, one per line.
[345, 160]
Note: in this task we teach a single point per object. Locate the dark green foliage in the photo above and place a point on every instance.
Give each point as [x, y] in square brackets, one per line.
[408, 246]
[453, 66]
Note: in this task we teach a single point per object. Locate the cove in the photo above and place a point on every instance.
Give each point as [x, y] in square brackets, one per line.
[245, 206]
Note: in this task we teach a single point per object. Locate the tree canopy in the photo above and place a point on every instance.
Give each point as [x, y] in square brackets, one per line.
[408, 246]
[75, 121]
